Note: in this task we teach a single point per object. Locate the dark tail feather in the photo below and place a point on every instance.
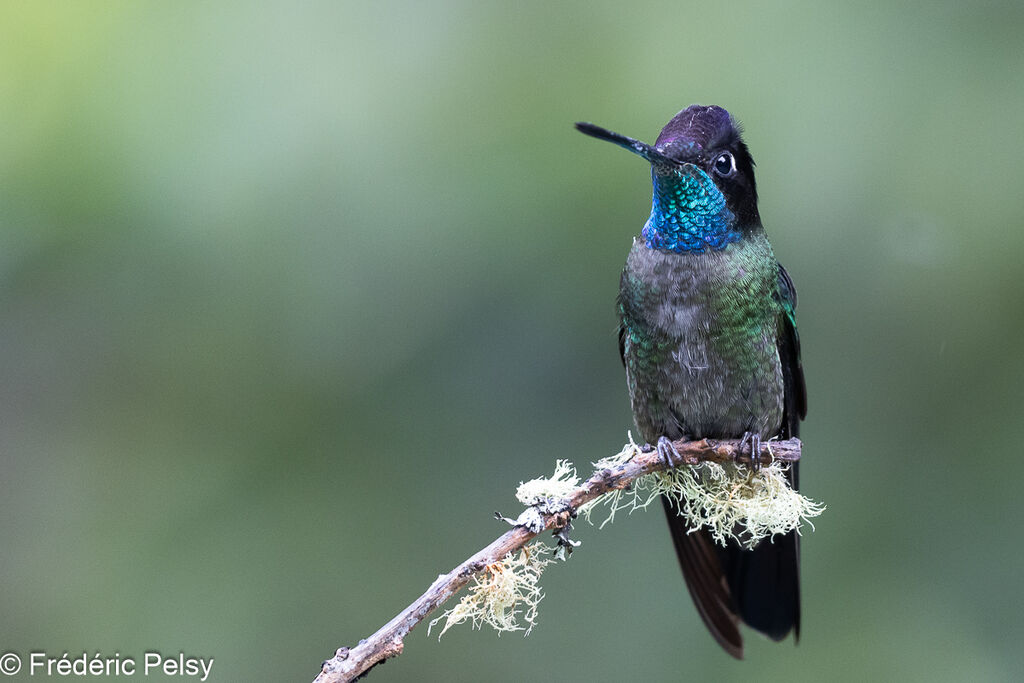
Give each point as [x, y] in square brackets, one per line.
[704, 578]
[765, 584]
[761, 587]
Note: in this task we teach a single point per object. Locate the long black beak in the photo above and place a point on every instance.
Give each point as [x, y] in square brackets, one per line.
[642, 148]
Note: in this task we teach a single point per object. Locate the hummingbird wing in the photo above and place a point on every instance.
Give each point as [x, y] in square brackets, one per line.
[795, 402]
[622, 344]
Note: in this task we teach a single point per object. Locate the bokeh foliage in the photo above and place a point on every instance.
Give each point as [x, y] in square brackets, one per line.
[293, 295]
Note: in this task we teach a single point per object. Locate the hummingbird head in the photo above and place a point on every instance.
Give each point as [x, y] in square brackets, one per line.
[705, 195]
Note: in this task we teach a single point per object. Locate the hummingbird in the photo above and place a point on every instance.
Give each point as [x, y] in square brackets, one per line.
[708, 338]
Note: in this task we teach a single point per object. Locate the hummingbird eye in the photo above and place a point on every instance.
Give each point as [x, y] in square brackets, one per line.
[725, 164]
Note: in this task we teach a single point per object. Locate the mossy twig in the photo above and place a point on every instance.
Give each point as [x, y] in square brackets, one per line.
[551, 509]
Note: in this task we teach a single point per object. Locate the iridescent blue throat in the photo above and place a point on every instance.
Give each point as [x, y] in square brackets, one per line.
[688, 213]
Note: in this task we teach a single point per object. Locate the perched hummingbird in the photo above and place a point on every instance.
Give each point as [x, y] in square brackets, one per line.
[708, 338]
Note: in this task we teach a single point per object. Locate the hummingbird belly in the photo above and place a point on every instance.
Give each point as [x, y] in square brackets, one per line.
[700, 344]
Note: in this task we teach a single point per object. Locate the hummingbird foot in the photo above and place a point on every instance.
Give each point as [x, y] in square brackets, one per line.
[668, 453]
[754, 439]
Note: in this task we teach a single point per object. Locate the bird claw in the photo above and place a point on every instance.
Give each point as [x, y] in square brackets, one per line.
[668, 453]
[754, 439]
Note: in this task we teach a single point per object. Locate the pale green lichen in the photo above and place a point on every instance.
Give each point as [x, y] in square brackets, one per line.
[628, 452]
[502, 592]
[731, 501]
[544, 489]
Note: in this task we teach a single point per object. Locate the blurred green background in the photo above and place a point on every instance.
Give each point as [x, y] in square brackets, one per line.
[293, 296]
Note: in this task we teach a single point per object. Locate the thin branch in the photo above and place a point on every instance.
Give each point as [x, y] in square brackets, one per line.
[347, 664]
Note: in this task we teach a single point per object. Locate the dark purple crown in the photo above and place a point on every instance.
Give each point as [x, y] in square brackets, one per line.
[696, 129]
